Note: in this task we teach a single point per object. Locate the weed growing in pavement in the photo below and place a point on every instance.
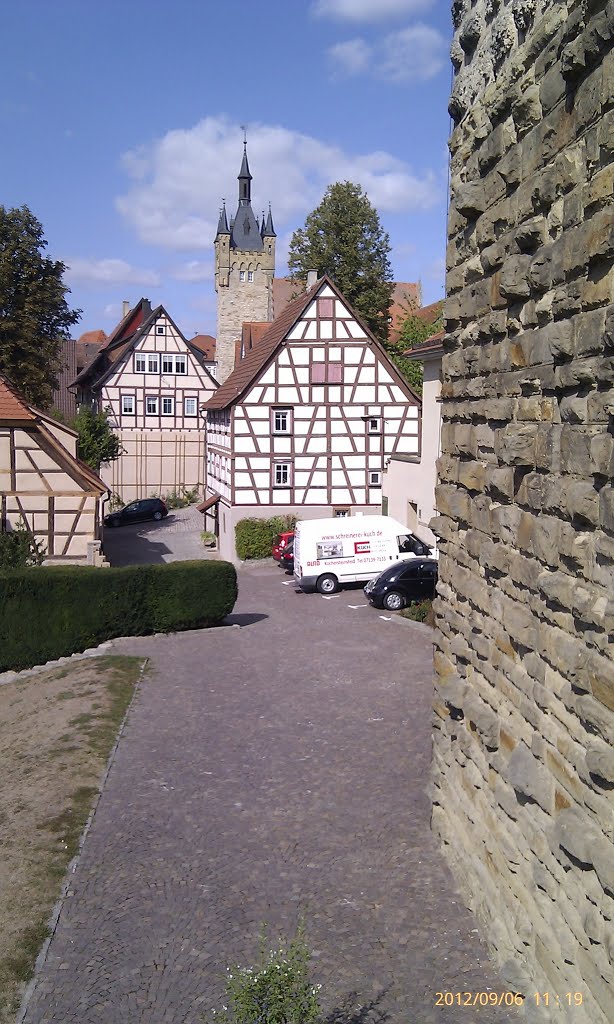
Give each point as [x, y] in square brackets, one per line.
[277, 991]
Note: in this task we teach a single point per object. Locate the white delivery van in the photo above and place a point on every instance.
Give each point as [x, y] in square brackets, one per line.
[349, 549]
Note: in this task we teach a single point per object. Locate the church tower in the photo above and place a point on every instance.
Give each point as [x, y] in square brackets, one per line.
[244, 270]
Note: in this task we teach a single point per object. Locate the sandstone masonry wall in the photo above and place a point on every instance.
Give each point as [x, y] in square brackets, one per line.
[524, 722]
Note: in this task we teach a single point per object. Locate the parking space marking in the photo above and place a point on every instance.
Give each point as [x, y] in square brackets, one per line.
[358, 606]
[326, 598]
[386, 618]
[287, 583]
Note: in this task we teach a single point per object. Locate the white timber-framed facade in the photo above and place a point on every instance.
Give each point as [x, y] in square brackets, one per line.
[153, 383]
[308, 419]
[44, 488]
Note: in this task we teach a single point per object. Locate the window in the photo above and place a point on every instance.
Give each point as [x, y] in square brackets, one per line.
[241, 275]
[128, 405]
[168, 406]
[326, 373]
[181, 364]
[375, 478]
[325, 307]
[140, 364]
[190, 407]
[340, 513]
[250, 275]
[167, 364]
[374, 425]
[159, 330]
[282, 474]
[151, 405]
[153, 363]
[281, 421]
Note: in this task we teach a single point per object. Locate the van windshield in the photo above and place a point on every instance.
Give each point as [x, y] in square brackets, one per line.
[408, 544]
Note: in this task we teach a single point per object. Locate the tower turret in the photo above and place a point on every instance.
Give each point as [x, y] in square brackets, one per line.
[244, 270]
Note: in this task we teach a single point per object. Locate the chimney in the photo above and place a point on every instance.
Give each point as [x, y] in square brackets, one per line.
[146, 307]
[125, 308]
[312, 277]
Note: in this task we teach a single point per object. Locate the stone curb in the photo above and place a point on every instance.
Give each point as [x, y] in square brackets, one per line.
[72, 866]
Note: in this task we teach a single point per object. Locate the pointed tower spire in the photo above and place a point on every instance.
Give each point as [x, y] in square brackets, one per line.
[245, 178]
[222, 224]
[269, 230]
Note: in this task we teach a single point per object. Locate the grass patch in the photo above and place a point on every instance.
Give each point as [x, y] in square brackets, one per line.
[57, 729]
[419, 611]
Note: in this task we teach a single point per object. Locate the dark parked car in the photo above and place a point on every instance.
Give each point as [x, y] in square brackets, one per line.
[402, 583]
[286, 558]
[137, 512]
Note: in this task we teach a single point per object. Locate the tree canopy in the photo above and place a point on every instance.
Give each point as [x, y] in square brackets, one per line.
[343, 238]
[97, 442]
[413, 331]
[34, 314]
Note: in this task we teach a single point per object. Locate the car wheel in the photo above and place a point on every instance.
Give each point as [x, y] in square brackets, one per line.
[328, 584]
[157, 516]
[394, 601]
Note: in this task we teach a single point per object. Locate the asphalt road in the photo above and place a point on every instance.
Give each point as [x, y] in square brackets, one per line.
[267, 773]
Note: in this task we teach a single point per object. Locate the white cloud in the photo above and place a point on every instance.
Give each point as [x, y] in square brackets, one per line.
[351, 57]
[110, 271]
[193, 270]
[415, 53]
[368, 10]
[179, 180]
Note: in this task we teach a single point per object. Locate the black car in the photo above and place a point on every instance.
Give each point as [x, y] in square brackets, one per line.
[286, 558]
[137, 512]
[402, 583]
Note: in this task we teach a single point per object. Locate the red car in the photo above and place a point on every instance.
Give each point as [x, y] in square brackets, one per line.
[280, 543]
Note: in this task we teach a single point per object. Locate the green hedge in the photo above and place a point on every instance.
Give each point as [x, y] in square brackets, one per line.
[254, 537]
[50, 612]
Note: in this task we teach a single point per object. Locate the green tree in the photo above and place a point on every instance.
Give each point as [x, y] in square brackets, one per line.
[97, 442]
[34, 314]
[343, 238]
[414, 330]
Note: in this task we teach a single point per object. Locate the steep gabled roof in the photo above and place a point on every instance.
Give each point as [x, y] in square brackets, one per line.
[246, 372]
[13, 407]
[204, 344]
[248, 368]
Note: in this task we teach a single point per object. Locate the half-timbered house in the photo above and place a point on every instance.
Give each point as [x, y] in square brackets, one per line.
[153, 381]
[307, 420]
[43, 485]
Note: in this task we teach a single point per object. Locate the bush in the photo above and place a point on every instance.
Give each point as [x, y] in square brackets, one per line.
[178, 499]
[254, 537]
[54, 611]
[420, 611]
[19, 549]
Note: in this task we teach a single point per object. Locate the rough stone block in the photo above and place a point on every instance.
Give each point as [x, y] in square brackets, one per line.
[600, 762]
[514, 281]
[529, 777]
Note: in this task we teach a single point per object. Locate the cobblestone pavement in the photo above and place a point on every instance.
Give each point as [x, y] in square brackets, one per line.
[176, 538]
[269, 772]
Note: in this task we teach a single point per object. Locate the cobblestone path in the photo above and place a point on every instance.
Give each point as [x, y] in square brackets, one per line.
[266, 772]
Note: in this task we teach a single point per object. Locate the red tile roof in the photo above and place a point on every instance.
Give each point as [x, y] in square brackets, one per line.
[432, 344]
[204, 343]
[92, 338]
[428, 314]
[12, 406]
[249, 367]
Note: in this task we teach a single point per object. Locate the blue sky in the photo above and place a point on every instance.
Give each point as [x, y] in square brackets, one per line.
[121, 131]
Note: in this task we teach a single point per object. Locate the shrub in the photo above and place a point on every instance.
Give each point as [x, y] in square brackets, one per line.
[254, 537]
[54, 611]
[19, 549]
[419, 611]
[276, 991]
[178, 499]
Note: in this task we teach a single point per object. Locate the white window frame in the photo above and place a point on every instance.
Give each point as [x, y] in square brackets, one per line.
[375, 478]
[250, 275]
[140, 357]
[148, 399]
[159, 329]
[241, 275]
[168, 358]
[185, 406]
[184, 359]
[287, 412]
[153, 358]
[132, 400]
[168, 398]
[374, 424]
[278, 467]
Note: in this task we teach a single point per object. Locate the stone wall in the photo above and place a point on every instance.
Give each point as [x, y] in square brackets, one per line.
[524, 723]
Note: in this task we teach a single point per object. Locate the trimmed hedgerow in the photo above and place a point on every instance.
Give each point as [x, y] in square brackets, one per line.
[53, 611]
[254, 537]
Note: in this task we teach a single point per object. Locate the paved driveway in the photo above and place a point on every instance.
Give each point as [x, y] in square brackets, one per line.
[176, 538]
[267, 772]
